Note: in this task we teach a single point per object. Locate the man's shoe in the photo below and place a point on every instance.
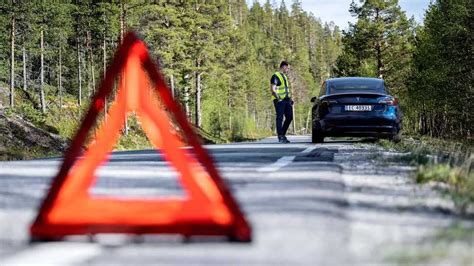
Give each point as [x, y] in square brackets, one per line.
[285, 140]
[281, 139]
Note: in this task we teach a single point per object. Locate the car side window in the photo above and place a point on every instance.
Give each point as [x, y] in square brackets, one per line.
[322, 91]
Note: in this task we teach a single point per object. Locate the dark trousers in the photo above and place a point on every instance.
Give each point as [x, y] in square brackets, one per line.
[283, 108]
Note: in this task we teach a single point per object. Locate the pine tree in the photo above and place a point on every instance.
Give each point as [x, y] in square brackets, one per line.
[379, 44]
[218, 56]
[441, 88]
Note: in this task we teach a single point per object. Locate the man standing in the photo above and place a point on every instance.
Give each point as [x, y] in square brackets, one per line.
[282, 101]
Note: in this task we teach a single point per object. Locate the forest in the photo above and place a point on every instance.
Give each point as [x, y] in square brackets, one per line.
[218, 57]
[430, 67]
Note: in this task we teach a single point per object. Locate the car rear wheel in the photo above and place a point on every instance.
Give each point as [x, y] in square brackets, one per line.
[317, 134]
[397, 137]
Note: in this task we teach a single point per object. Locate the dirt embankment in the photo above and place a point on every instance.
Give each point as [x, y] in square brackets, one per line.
[20, 139]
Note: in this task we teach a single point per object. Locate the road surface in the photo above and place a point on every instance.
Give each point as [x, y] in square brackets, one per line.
[337, 203]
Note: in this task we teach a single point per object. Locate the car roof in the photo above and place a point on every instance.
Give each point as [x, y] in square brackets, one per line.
[345, 79]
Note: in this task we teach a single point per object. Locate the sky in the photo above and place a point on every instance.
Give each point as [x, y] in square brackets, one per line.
[338, 10]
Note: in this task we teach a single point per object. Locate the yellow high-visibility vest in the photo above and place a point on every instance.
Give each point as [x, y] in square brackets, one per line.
[283, 91]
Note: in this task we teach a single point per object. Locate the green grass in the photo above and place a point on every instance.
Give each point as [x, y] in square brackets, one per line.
[439, 247]
[452, 151]
[456, 232]
[65, 122]
[62, 121]
[417, 256]
[441, 161]
[135, 140]
[459, 178]
[16, 153]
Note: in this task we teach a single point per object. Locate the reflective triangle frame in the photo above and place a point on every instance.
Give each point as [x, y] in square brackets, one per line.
[68, 209]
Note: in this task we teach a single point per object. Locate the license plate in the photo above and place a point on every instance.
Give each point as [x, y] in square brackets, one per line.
[358, 108]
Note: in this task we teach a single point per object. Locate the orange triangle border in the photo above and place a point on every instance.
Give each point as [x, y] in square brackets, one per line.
[194, 222]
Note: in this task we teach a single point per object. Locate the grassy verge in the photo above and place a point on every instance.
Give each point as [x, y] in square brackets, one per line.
[64, 121]
[460, 181]
[15, 153]
[450, 246]
[443, 162]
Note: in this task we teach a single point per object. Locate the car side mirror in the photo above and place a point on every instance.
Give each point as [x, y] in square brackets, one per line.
[313, 99]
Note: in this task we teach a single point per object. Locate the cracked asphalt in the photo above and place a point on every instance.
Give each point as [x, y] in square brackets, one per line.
[337, 203]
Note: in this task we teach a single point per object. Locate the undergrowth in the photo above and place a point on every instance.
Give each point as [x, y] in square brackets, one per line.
[441, 161]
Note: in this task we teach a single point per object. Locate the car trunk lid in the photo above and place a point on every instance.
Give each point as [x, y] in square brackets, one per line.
[354, 102]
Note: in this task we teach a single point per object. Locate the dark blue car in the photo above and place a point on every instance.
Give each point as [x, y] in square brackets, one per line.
[355, 107]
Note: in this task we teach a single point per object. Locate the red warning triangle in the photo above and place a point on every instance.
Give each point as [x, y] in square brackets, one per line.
[208, 208]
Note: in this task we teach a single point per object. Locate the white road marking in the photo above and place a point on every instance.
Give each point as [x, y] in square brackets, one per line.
[253, 146]
[309, 149]
[137, 172]
[137, 193]
[52, 254]
[283, 161]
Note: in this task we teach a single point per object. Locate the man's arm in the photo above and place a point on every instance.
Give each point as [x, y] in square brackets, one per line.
[274, 93]
[273, 86]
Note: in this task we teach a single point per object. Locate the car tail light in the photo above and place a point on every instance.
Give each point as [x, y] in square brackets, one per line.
[389, 101]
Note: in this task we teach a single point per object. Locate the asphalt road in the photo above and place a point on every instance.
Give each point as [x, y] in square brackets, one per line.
[337, 203]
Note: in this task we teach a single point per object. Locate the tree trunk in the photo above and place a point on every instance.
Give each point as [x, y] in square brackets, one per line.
[241, 14]
[12, 62]
[104, 66]
[229, 107]
[307, 122]
[91, 65]
[79, 78]
[379, 59]
[247, 108]
[271, 25]
[198, 114]
[25, 85]
[87, 67]
[43, 101]
[122, 33]
[378, 47]
[60, 85]
[294, 119]
[256, 118]
[122, 21]
[172, 86]
[186, 102]
[186, 91]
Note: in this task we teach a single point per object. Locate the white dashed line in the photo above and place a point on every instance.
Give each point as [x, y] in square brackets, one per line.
[309, 149]
[54, 254]
[282, 162]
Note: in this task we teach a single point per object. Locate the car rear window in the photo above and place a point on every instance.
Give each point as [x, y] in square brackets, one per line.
[348, 86]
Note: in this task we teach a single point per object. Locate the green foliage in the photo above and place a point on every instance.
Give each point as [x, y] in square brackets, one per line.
[22, 153]
[441, 161]
[440, 95]
[417, 154]
[31, 114]
[135, 140]
[379, 44]
[66, 119]
[429, 67]
[228, 48]
[437, 248]
[440, 150]
[460, 181]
